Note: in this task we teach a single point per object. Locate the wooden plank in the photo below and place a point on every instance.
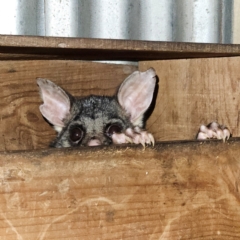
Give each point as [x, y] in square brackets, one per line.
[194, 92]
[22, 126]
[186, 190]
[24, 56]
[25, 47]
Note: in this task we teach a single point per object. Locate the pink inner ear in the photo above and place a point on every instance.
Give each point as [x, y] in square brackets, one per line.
[56, 104]
[136, 93]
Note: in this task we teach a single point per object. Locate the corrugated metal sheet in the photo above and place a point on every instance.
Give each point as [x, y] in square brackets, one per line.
[161, 20]
[197, 20]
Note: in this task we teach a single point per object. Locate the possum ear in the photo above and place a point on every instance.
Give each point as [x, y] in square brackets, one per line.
[135, 94]
[56, 103]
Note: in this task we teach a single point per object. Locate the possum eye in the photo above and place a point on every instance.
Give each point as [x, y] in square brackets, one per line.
[114, 128]
[76, 134]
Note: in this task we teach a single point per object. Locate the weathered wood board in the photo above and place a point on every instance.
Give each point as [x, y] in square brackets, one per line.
[22, 126]
[187, 190]
[33, 47]
[194, 92]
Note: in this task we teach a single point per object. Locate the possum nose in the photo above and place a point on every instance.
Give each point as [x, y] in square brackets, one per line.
[94, 142]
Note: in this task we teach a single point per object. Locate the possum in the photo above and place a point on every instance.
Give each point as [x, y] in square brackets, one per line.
[100, 120]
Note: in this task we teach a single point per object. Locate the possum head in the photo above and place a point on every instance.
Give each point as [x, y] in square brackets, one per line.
[93, 120]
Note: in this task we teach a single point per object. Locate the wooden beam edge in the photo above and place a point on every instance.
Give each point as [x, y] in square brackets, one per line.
[108, 49]
[189, 147]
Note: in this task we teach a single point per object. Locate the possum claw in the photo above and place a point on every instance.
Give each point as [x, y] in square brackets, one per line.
[213, 130]
[152, 141]
[136, 136]
[140, 136]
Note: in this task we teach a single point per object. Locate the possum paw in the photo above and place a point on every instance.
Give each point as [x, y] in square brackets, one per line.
[120, 138]
[140, 136]
[213, 130]
[135, 136]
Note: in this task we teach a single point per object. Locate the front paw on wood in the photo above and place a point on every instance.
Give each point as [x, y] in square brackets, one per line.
[136, 136]
[213, 130]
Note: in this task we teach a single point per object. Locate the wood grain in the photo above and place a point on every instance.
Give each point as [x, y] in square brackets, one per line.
[22, 126]
[194, 92]
[31, 47]
[187, 190]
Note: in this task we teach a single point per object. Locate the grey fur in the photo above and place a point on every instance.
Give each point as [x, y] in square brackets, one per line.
[92, 114]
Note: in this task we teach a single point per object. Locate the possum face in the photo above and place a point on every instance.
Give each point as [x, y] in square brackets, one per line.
[99, 120]
[93, 122]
